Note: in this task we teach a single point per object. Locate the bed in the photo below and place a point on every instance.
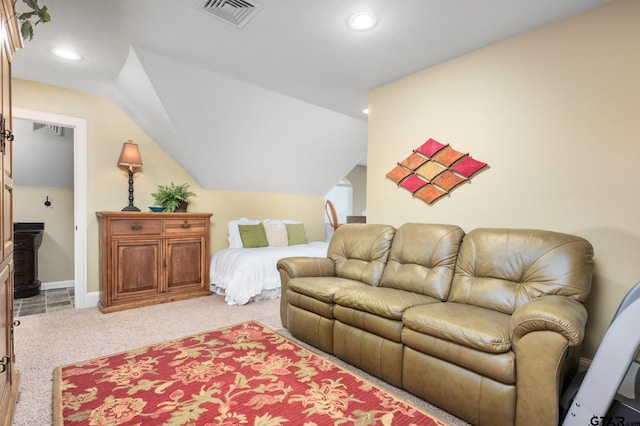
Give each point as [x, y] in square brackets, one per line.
[245, 273]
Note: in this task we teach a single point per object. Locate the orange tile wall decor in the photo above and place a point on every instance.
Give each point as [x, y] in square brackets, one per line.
[433, 170]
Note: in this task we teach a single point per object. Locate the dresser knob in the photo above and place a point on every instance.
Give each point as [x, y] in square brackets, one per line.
[136, 227]
[186, 225]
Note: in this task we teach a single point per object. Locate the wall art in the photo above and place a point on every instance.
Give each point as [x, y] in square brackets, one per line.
[433, 170]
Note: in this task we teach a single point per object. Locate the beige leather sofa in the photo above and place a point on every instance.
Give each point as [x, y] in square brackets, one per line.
[486, 325]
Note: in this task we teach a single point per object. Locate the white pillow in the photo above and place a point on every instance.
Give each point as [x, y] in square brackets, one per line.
[276, 234]
[280, 221]
[234, 233]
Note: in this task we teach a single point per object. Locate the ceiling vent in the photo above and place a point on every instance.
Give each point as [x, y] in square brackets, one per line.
[46, 129]
[234, 12]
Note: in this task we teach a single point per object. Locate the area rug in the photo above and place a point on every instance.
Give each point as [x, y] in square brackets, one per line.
[245, 374]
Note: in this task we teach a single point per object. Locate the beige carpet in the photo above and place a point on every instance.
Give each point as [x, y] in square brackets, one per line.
[44, 341]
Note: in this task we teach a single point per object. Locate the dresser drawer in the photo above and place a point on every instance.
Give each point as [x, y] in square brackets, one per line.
[181, 226]
[136, 227]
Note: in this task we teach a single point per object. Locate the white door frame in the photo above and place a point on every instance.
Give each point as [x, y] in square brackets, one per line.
[79, 126]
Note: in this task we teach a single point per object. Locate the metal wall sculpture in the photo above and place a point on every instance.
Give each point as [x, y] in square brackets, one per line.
[433, 170]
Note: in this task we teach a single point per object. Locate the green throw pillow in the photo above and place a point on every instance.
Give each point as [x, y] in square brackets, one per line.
[295, 234]
[253, 236]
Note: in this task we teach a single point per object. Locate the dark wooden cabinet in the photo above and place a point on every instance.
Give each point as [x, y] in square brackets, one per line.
[148, 258]
[26, 242]
[356, 219]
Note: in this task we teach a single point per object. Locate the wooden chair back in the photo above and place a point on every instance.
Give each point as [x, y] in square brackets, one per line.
[330, 209]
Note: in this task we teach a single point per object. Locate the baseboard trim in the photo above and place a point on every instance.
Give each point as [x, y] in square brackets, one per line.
[584, 364]
[57, 284]
[91, 300]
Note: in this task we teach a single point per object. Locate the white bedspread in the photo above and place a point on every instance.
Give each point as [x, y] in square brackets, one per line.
[245, 275]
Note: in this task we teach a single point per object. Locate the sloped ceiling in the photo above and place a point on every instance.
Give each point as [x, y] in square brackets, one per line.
[236, 136]
[277, 105]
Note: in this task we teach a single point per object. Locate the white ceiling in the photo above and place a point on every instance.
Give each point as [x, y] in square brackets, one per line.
[52, 166]
[283, 95]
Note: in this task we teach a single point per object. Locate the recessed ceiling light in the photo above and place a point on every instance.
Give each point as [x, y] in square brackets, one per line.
[67, 54]
[365, 111]
[361, 21]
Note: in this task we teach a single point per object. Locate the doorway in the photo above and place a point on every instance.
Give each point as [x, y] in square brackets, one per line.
[79, 127]
[341, 196]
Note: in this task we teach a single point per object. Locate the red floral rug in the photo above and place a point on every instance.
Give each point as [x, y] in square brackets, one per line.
[241, 375]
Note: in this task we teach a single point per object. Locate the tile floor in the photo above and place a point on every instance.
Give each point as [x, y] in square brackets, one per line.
[47, 301]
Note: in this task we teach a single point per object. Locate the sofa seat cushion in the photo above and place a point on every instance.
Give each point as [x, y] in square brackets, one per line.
[382, 327]
[322, 288]
[499, 367]
[384, 302]
[468, 325]
[309, 304]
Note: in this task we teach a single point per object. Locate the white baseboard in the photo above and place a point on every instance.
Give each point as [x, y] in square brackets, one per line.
[584, 364]
[91, 300]
[57, 284]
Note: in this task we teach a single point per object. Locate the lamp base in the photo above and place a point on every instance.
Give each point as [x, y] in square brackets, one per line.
[131, 207]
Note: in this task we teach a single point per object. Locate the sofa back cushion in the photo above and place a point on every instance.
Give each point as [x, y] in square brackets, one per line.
[502, 269]
[360, 251]
[423, 259]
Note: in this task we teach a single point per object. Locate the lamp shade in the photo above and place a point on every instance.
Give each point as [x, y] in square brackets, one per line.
[130, 155]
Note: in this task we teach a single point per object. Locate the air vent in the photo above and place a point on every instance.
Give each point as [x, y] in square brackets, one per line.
[234, 12]
[46, 129]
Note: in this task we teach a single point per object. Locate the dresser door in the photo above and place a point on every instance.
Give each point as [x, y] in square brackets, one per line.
[136, 269]
[184, 271]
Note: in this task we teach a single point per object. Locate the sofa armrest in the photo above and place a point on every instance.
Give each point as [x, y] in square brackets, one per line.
[295, 267]
[543, 331]
[550, 313]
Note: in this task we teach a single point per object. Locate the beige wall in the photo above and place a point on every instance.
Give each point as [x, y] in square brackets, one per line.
[107, 128]
[55, 256]
[555, 114]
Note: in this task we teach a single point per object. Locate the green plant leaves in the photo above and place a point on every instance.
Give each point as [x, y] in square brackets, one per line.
[170, 196]
[26, 24]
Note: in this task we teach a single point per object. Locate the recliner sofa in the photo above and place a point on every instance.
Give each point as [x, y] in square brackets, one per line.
[486, 325]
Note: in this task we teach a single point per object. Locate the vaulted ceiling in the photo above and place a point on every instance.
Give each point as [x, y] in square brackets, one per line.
[274, 106]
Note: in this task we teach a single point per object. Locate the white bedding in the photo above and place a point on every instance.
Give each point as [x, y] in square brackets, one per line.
[245, 275]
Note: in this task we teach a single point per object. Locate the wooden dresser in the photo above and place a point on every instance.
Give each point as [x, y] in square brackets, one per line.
[149, 258]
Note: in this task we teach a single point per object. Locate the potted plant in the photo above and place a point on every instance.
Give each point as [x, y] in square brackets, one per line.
[173, 197]
[40, 14]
